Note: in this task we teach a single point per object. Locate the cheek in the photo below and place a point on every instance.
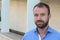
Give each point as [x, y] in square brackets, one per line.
[45, 18]
[35, 19]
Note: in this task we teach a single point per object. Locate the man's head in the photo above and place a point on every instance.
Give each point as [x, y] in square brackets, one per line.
[41, 14]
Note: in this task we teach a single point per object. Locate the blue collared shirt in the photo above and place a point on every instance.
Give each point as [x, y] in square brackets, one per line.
[51, 34]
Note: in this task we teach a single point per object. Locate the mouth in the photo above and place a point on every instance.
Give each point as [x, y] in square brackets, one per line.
[39, 23]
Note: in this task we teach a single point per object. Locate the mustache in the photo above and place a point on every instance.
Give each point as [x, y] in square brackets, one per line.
[40, 21]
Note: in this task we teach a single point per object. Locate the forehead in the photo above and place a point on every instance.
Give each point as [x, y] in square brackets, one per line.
[40, 9]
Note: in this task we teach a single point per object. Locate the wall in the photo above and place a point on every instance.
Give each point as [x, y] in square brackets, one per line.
[18, 15]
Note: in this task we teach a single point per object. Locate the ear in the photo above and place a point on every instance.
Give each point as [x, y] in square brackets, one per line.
[49, 15]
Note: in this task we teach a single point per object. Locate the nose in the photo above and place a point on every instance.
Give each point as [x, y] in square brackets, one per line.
[39, 18]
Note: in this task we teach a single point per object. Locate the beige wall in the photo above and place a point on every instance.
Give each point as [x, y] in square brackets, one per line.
[55, 13]
[18, 15]
[55, 19]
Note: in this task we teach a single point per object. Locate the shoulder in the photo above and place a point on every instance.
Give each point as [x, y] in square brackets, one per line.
[55, 32]
[52, 30]
[56, 35]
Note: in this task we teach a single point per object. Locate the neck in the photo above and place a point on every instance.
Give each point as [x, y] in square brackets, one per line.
[43, 31]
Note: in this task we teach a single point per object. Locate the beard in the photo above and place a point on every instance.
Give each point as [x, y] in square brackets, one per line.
[41, 24]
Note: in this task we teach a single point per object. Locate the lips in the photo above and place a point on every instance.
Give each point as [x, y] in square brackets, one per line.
[39, 23]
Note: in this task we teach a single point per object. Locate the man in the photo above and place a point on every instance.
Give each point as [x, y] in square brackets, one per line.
[42, 31]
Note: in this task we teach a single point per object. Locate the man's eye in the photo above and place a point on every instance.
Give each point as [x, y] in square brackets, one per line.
[42, 14]
[35, 15]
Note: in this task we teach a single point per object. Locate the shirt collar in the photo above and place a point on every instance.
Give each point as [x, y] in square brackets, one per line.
[50, 30]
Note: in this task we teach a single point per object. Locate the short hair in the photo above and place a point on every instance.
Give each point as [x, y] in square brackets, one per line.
[41, 4]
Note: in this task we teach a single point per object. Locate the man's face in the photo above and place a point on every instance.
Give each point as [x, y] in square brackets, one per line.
[41, 17]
